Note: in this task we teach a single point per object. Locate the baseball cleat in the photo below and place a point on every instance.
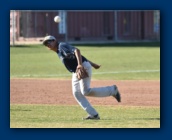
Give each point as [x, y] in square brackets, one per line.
[118, 95]
[95, 117]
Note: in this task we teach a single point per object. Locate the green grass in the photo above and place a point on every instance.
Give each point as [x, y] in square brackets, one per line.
[54, 116]
[118, 62]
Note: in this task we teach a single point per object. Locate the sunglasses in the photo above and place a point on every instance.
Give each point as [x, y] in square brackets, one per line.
[48, 42]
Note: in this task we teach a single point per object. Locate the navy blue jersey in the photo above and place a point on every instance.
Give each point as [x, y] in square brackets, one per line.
[67, 56]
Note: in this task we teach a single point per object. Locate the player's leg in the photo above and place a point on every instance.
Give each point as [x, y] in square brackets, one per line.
[80, 98]
[99, 91]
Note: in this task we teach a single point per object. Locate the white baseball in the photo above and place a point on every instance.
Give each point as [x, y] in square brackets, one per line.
[57, 19]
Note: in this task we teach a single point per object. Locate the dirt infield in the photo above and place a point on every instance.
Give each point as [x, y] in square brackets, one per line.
[53, 91]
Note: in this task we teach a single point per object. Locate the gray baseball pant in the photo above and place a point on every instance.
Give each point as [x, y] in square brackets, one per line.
[81, 88]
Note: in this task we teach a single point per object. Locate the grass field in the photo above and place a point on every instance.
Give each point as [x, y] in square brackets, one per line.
[118, 63]
[55, 116]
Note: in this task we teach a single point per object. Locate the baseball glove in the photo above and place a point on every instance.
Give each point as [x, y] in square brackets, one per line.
[81, 73]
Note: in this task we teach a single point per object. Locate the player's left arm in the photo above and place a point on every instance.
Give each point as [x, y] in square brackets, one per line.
[96, 66]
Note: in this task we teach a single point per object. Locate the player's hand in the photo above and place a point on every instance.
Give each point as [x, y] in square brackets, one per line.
[81, 72]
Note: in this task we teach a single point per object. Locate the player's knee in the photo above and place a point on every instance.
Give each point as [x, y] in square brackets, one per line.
[86, 92]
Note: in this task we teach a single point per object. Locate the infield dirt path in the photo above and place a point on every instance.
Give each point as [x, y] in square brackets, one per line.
[59, 92]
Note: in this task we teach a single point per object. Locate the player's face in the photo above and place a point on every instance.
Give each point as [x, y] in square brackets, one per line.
[51, 44]
[48, 43]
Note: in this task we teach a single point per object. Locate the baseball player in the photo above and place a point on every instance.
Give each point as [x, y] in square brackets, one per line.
[73, 60]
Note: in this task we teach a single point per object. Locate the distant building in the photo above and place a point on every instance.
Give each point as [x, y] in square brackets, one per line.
[86, 25]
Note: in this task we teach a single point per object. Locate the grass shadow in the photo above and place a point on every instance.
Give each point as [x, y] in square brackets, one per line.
[131, 44]
[132, 119]
[20, 110]
[27, 46]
